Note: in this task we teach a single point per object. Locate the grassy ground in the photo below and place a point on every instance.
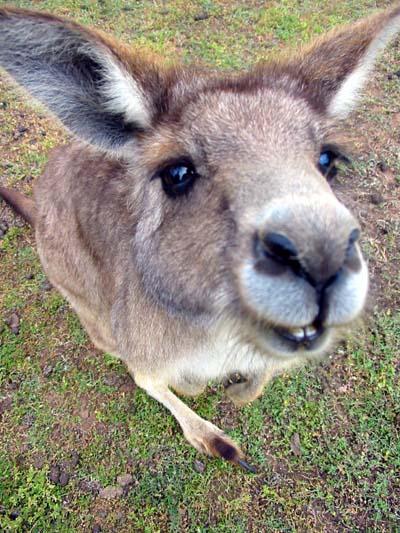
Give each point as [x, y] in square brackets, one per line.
[325, 440]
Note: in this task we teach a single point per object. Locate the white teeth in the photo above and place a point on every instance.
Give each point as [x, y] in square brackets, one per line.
[311, 331]
[298, 333]
[301, 335]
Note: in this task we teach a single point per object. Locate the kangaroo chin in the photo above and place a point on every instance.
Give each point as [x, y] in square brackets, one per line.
[191, 223]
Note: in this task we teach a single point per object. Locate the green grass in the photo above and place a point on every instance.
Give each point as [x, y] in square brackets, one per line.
[325, 439]
[35, 503]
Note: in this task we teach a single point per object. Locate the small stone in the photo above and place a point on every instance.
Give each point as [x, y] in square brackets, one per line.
[29, 276]
[3, 227]
[111, 380]
[397, 73]
[125, 480]
[111, 493]
[3, 105]
[28, 419]
[199, 466]
[22, 129]
[19, 459]
[295, 444]
[47, 370]
[85, 413]
[15, 384]
[54, 474]
[73, 462]
[13, 323]
[96, 528]
[64, 478]
[382, 166]
[5, 405]
[201, 16]
[46, 285]
[376, 198]
[38, 462]
[89, 486]
[390, 76]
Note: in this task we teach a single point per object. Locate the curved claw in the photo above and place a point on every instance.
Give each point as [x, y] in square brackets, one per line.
[222, 446]
[246, 466]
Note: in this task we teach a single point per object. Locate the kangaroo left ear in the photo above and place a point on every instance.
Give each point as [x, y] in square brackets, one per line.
[100, 90]
[336, 67]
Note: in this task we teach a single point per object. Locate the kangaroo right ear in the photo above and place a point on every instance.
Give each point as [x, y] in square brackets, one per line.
[95, 86]
[334, 70]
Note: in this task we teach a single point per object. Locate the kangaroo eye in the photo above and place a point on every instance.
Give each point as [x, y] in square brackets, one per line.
[326, 163]
[178, 179]
[328, 157]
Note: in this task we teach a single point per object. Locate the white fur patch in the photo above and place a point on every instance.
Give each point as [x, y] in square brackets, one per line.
[349, 296]
[346, 97]
[222, 355]
[123, 94]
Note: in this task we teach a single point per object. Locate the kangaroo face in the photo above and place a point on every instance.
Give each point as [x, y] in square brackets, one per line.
[242, 198]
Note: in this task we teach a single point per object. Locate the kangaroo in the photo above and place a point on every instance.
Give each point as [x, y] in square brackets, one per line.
[191, 224]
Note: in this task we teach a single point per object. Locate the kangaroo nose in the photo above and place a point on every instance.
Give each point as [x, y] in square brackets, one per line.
[318, 262]
[279, 247]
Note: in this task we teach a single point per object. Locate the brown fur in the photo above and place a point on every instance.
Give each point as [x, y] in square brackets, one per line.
[21, 204]
[185, 289]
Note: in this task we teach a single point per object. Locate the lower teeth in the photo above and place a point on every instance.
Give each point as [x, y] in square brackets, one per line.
[297, 333]
[308, 333]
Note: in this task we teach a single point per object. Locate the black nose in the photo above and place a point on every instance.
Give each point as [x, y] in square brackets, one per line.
[279, 247]
[319, 263]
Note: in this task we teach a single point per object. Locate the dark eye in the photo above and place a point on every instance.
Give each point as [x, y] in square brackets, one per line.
[178, 178]
[326, 163]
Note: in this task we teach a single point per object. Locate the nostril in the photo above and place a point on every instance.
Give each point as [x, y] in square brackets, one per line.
[279, 247]
[354, 236]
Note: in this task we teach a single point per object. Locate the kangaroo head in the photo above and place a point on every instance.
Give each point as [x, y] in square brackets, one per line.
[227, 182]
[240, 218]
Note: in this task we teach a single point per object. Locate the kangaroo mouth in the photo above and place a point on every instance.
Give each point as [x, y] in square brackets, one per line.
[301, 336]
[288, 341]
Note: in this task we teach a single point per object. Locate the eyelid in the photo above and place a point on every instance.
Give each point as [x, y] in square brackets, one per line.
[173, 161]
[340, 153]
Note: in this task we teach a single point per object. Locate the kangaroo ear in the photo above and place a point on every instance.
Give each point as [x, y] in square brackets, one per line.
[335, 68]
[95, 86]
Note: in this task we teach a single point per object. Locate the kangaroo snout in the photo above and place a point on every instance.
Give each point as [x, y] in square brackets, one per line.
[289, 238]
[300, 278]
